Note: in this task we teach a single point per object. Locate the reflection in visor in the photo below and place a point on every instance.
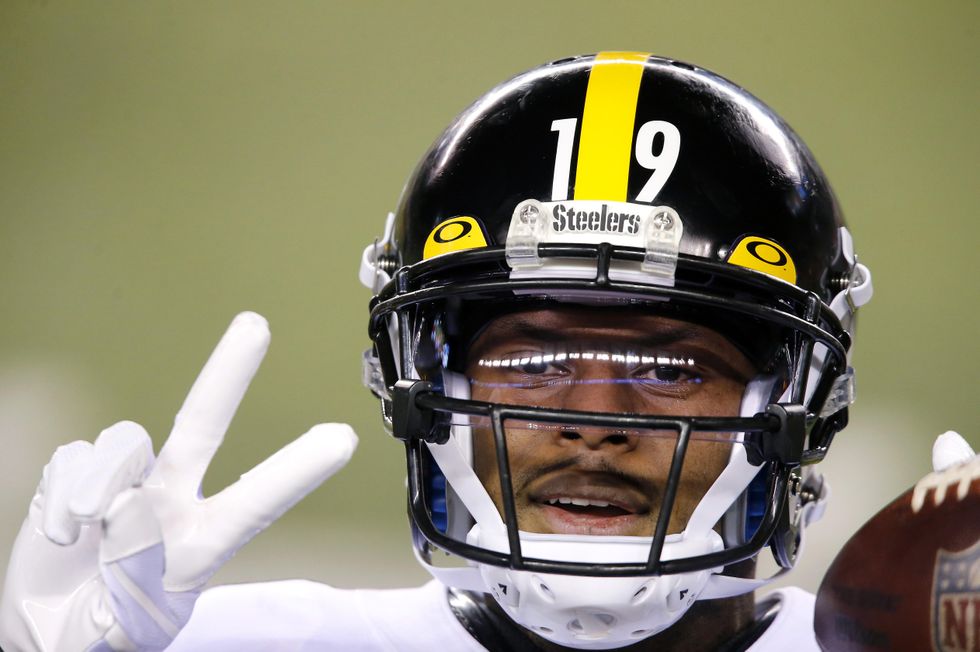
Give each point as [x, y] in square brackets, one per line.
[604, 378]
[621, 358]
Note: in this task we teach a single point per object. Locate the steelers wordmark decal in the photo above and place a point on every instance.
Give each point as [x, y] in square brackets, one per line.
[455, 234]
[764, 256]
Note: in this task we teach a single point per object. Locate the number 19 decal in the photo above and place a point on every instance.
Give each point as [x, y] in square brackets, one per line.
[660, 163]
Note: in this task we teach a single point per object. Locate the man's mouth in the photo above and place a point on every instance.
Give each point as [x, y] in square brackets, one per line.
[587, 507]
[589, 504]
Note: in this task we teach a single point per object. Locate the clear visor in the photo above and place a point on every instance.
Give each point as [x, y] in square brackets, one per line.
[612, 478]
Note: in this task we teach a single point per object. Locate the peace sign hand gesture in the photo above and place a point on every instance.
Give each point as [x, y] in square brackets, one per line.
[117, 546]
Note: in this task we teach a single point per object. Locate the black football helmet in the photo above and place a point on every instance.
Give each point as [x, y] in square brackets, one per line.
[628, 182]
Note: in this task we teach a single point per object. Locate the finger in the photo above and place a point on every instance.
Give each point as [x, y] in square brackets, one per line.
[121, 458]
[202, 421]
[949, 450]
[60, 477]
[132, 562]
[263, 494]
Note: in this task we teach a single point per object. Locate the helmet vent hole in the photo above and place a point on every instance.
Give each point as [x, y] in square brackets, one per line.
[640, 633]
[641, 594]
[606, 619]
[596, 624]
[546, 592]
[543, 629]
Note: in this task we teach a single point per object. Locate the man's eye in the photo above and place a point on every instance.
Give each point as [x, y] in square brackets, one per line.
[534, 366]
[667, 374]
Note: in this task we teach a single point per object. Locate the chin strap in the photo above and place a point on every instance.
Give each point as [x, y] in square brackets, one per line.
[466, 484]
[724, 586]
[464, 578]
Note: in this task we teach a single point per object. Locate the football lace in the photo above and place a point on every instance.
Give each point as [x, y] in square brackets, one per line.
[961, 474]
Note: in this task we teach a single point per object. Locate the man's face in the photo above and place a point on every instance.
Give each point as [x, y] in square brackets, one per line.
[571, 479]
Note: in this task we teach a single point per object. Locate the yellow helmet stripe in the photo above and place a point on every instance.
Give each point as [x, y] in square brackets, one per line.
[604, 156]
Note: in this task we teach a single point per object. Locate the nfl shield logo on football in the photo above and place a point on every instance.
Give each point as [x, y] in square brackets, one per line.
[956, 601]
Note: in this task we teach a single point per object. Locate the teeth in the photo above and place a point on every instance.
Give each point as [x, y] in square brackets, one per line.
[580, 502]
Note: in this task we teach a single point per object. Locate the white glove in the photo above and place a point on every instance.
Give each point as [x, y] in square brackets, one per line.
[116, 547]
[949, 450]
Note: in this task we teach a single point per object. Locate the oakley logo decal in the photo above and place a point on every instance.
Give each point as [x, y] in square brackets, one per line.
[763, 255]
[455, 234]
[451, 231]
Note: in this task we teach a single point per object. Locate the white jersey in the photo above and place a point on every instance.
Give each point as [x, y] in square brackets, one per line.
[298, 615]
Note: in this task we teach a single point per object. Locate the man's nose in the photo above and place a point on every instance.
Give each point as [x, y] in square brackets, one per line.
[599, 393]
[598, 438]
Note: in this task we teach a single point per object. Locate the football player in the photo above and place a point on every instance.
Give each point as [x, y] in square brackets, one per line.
[611, 326]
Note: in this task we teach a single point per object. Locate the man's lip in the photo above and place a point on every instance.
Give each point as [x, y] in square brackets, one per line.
[563, 521]
[593, 487]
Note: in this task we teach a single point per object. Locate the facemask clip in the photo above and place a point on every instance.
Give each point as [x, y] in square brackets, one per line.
[785, 445]
[411, 422]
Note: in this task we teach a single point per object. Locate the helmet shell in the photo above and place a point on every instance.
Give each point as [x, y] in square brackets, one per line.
[740, 170]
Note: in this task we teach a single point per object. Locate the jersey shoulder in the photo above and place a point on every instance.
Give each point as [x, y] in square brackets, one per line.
[305, 615]
[792, 628]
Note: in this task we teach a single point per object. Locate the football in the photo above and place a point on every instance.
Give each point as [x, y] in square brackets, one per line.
[909, 579]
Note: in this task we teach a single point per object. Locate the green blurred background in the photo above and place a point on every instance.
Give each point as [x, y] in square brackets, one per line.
[165, 165]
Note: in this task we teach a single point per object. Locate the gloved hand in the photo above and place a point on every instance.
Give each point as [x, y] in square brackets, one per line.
[117, 547]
